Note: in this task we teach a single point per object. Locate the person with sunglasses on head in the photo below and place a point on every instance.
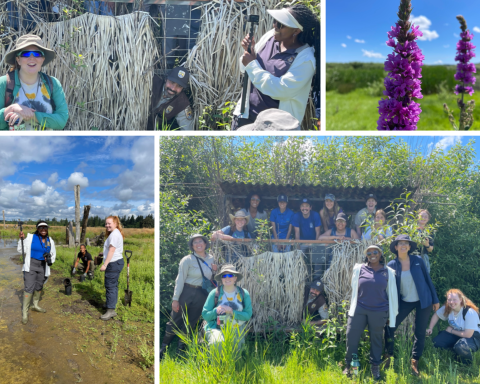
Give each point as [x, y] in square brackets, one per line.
[254, 209]
[415, 292]
[40, 254]
[28, 95]
[228, 303]
[281, 66]
[374, 302]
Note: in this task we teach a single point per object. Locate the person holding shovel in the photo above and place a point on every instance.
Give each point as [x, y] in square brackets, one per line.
[112, 263]
[39, 255]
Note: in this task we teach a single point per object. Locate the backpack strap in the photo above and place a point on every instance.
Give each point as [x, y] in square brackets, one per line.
[464, 312]
[9, 90]
[217, 293]
[49, 82]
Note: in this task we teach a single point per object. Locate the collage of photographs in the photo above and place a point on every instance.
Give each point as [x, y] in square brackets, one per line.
[160, 65]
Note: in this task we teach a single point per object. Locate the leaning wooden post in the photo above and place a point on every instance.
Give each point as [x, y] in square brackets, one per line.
[77, 214]
[86, 212]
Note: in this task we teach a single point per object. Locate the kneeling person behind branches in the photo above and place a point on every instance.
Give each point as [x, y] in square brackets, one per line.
[169, 101]
[315, 303]
[87, 266]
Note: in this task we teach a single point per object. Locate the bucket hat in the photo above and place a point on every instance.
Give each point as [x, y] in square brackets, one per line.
[196, 236]
[273, 120]
[25, 41]
[374, 247]
[239, 215]
[228, 268]
[413, 245]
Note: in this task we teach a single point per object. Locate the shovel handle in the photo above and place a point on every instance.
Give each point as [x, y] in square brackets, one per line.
[128, 255]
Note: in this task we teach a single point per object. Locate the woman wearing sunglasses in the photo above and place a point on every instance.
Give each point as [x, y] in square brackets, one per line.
[28, 95]
[374, 302]
[228, 304]
[281, 66]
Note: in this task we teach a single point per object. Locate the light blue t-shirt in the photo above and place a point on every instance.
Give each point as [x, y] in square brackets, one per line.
[282, 221]
[367, 235]
[236, 234]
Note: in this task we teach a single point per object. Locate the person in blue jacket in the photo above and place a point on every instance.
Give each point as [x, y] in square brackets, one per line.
[280, 219]
[415, 291]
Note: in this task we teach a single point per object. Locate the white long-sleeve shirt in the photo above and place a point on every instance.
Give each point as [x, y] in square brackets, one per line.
[292, 89]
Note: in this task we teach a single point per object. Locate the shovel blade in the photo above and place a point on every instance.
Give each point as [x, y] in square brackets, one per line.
[128, 298]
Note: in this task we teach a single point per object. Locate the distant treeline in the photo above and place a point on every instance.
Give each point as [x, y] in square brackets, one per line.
[96, 221]
[346, 77]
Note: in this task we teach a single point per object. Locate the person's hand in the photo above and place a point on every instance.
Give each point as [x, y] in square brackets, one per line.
[85, 275]
[13, 119]
[25, 112]
[429, 331]
[341, 238]
[175, 306]
[247, 58]
[220, 310]
[228, 310]
[22, 235]
[74, 271]
[214, 267]
[103, 268]
[426, 243]
[245, 42]
[449, 329]
[436, 306]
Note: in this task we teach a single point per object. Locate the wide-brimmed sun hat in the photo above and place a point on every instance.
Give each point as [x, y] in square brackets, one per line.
[239, 215]
[198, 236]
[25, 41]
[413, 245]
[228, 268]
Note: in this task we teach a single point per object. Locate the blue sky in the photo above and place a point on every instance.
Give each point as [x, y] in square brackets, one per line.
[37, 175]
[357, 30]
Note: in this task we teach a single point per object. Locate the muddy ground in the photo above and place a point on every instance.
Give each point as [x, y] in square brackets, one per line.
[69, 343]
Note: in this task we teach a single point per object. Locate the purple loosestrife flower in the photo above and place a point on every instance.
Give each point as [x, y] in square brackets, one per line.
[465, 70]
[404, 66]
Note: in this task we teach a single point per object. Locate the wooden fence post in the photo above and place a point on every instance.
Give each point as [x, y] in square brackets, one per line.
[86, 212]
[77, 213]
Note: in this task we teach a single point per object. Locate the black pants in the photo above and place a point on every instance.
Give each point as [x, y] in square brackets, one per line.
[112, 274]
[35, 278]
[422, 316]
[375, 320]
[462, 346]
[191, 303]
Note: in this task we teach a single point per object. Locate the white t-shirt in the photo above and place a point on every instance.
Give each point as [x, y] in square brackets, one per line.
[234, 301]
[456, 321]
[115, 240]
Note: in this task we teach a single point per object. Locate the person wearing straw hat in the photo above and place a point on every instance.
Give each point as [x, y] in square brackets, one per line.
[374, 301]
[188, 295]
[281, 66]
[237, 230]
[169, 101]
[228, 304]
[29, 95]
[40, 254]
[415, 292]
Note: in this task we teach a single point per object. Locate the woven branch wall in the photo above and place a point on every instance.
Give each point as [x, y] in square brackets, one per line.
[113, 90]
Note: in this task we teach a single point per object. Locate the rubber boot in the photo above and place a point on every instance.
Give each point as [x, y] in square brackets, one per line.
[27, 297]
[414, 366]
[167, 339]
[181, 348]
[36, 298]
[109, 314]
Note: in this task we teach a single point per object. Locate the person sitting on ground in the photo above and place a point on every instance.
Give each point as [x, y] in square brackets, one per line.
[380, 230]
[427, 244]
[329, 212]
[228, 303]
[236, 230]
[365, 213]
[87, 266]
[341, 231]
[254, 209]
[306, 223]
[280, 219]
[374, 301]
[463, 333]
[315, 303]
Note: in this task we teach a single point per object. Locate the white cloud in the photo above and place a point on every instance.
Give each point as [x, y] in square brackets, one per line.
[438, 62]
[424, 25]
[446, 46]
[476, 29]
[455, 35]
[344, 45]
[372, 54]
[38, 188]
[447, 142]
[349, 37]
[77, 178]
[53, 179]
[360, 41]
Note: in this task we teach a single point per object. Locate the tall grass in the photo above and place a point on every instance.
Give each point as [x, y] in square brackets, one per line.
[307, 357]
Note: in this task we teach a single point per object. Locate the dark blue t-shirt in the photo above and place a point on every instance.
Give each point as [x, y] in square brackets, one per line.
[38, 248]
[282, 221]
[307, 226]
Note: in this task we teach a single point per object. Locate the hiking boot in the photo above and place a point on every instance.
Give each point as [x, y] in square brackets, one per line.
[414, 367]
[36, 299]
[387, 359]
[27, 297]
[375, 372]
[109, 314]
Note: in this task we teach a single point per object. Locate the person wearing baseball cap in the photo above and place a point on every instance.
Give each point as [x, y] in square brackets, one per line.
[39, 250]
[329, 211]
[282, 67]
[280, 219]
[169, 101]
[315, 303]
[364, 214]
[340, 231]
[306, 223]
[28, 95]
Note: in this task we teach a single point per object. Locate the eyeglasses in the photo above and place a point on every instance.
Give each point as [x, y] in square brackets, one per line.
[30, 53]
[372, 253]
[279, 25]
[227, 275]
